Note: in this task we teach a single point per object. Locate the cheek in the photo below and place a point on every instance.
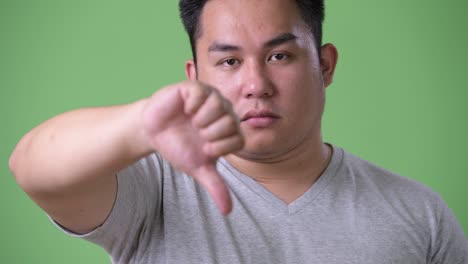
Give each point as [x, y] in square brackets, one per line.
[298, 83]
[213, 78]
[301, 95]
[227, 83]
[228, 86]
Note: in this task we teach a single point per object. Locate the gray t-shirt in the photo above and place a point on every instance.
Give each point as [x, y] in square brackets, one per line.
[355, 213]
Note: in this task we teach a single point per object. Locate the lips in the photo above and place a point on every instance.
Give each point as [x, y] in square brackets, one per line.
[259, 119]
[252, 114]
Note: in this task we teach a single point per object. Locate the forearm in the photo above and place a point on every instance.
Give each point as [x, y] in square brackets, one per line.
[68, 164]
[76, 147]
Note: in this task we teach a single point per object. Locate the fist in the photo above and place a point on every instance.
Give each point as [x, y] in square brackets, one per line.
[191, 125]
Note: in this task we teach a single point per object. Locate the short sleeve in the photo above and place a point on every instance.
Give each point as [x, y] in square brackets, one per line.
[450, 245]
[137, 205]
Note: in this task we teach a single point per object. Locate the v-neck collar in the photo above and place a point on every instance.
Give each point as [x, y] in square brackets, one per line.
[302, 201]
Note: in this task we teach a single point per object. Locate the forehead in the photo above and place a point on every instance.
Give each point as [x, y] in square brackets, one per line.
[249, 21]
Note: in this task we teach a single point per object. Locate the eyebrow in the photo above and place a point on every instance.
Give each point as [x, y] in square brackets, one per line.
[276, 41]
[222, 47]
[279, 40]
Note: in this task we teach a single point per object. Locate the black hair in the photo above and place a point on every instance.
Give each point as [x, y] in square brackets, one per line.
[312, 12]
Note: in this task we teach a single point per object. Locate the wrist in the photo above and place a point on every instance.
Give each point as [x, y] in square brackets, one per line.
[138, 140]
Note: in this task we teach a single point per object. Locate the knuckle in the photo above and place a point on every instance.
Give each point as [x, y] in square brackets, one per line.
[199, 90]
[214, 91]
[205, 88]
[231, 123]
[206, 133]
[198, 94]
[197, 122]
[227, 104]
[203, 133]
[218, 104]
[240, 141]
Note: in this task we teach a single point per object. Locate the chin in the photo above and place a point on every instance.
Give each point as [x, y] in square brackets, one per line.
[260, 151]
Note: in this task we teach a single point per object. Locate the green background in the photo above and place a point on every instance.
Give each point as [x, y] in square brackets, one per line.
[398, 98]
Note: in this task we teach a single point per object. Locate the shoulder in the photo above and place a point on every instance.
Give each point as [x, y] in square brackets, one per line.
[390, 193]
[384, 181]
[405, 210]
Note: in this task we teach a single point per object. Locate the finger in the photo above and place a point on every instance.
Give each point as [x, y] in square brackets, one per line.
[213, 108]
[224, 127]
[209, 178]
[194, 95]
[224, 146]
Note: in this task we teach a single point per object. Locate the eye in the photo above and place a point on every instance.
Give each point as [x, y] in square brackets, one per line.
[278, 57]
[230, 62]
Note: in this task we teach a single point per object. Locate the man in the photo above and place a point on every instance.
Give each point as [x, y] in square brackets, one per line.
[246, 127]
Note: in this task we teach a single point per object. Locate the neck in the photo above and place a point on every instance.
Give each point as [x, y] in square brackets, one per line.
[288, 175]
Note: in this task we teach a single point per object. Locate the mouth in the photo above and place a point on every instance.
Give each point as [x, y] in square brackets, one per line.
[259, 114]
[259, 118]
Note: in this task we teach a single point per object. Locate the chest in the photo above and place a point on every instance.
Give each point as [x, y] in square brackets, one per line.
[258, 234]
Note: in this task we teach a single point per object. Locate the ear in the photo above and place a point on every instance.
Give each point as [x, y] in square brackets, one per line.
[328, 60]
[190, 70]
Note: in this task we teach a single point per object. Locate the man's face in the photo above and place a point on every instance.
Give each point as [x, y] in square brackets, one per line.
[261, 56]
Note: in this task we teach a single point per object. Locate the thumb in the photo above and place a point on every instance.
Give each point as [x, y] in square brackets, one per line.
[208, 177]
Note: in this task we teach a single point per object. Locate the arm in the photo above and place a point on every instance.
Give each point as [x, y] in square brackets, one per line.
[449, 244]
[67, 165]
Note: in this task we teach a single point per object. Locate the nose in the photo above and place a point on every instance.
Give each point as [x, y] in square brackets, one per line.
[257, 83]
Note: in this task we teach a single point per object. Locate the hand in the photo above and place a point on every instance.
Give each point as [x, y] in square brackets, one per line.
[191, 125]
